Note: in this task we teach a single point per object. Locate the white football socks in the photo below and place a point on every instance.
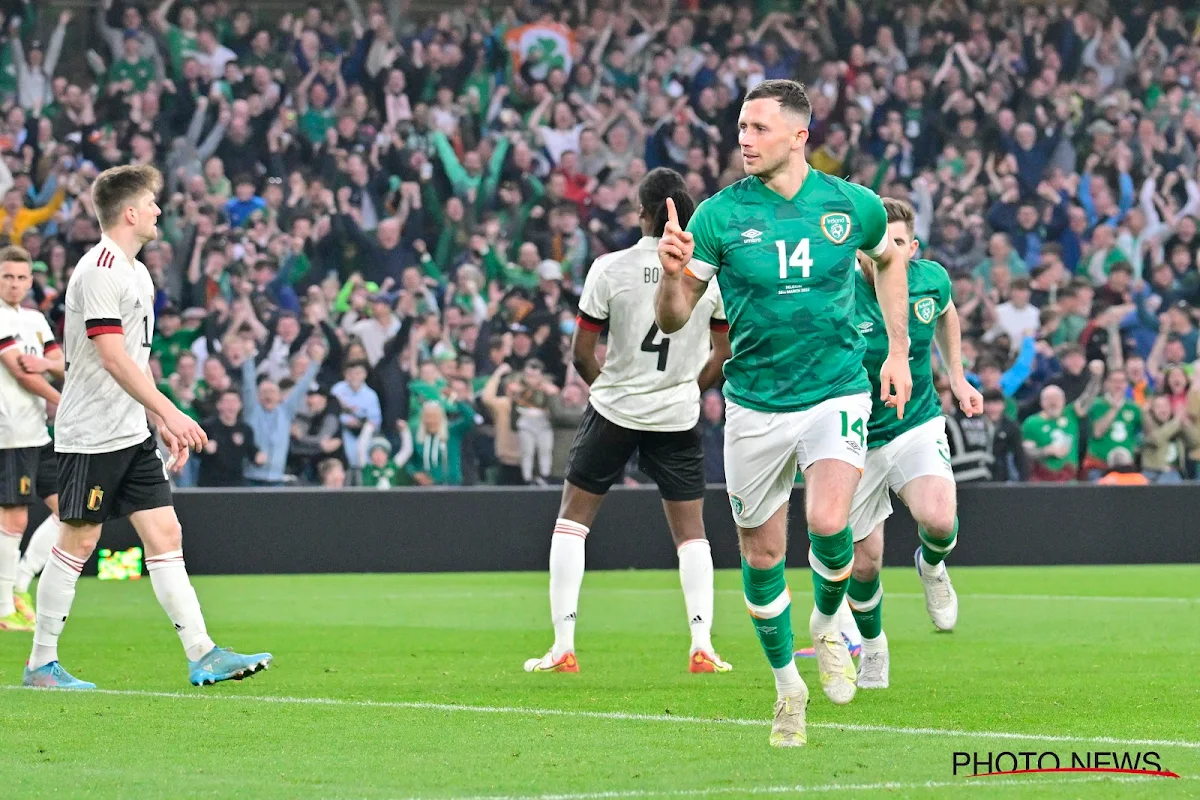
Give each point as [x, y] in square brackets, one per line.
[787, 679]
[56, 592]
[696, 578]
[876, 645]
[33, 560]
[175, 594]
[10, 553]
[846, 624]
[566, 577]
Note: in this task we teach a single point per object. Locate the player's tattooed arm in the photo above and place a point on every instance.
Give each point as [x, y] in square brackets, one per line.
[32, 382]
[891, 287]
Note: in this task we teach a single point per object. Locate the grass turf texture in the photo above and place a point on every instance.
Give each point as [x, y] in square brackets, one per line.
[1121, 666]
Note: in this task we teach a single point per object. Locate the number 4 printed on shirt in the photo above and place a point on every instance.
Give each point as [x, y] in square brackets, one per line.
[799, 258]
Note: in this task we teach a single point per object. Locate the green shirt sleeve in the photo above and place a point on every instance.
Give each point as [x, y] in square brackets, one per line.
[872, 219]
[945, 290]
[706, 229]
[458, 176]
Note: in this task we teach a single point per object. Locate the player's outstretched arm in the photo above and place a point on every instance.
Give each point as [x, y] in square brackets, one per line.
[891, 286]
[32, 382]
[678, 292]
[138, 385]
[948, 335]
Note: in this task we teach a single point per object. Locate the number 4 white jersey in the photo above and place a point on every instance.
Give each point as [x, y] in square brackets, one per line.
[108, 293]
[22, 413]
[648, 381]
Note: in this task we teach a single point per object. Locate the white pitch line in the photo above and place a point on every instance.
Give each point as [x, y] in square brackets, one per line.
[962, 783]
[426, 593]
[621, 716]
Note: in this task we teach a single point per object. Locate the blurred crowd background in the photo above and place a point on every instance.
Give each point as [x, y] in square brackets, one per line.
[378, 217]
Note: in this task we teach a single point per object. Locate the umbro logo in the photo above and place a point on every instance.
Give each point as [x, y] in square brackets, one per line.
[751, 236]
[866, 327]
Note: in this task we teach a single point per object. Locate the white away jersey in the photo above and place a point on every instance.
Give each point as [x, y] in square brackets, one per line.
[648, 381]
[108, 293]
[22, 413]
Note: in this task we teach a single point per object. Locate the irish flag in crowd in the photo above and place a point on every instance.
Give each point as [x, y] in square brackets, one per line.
[548, 42]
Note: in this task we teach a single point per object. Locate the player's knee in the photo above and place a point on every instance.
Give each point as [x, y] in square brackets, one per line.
[170, 536]
[760, 552]
[826, 522]
[14, 518]
[866, 566]
[79, 541]
[939, 521]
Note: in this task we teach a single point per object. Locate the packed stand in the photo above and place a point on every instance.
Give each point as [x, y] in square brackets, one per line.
[376, 227]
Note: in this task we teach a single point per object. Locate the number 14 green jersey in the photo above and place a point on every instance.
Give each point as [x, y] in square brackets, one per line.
[786, 272]
[928, 298]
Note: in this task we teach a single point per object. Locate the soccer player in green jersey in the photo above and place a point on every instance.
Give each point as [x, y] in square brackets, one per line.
[781, 244]
[909, 456]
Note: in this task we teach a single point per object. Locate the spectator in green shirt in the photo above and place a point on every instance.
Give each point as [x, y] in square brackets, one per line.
[182, 38]
[131, 73]
[381, 472]
[184, 384]
[1116, 424]
[522, 275]
[172, 339]
[437, 443]
[1075, 303]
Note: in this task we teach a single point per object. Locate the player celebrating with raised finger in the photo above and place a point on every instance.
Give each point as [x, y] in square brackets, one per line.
[781, 244]
[907, 455]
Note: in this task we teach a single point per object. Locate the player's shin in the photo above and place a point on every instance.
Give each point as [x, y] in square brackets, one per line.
[866, 603]
[696, 578]
[566, 577]
[10, 553]
[770, 607]
[33, 560]
[175, 594]
[831, 558]
[56, 593]
[935, 546]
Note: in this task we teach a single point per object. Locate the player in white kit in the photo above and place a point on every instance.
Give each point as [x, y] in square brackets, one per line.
[646, 398]
[108, 463]
[28, 469]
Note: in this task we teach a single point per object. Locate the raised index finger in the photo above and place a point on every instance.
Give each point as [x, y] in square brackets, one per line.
[672, 215]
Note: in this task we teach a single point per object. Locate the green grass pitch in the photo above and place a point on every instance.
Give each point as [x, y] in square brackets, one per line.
[399, 686]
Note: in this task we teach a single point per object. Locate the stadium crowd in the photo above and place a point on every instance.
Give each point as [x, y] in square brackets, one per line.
[376, 225]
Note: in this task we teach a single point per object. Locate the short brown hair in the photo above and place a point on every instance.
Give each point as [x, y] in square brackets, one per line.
[790, 94]
[15, 253]
[900, 211]
[116, 188]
